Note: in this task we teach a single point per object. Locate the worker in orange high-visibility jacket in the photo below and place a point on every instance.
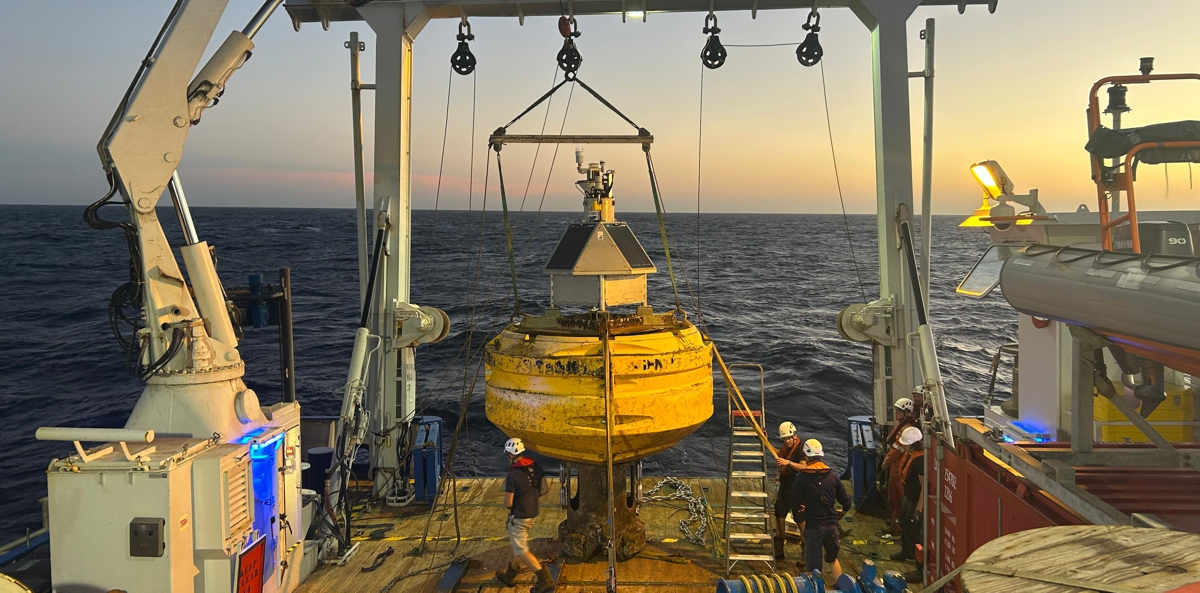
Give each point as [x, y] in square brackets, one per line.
[906, 417]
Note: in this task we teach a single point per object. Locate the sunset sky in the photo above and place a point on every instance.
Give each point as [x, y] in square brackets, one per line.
[1011, 86]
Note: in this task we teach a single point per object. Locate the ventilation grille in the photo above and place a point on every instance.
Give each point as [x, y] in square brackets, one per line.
[237, 497]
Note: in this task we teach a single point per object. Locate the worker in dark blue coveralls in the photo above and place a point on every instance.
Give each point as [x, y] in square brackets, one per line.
[524, 485]
[818, 490]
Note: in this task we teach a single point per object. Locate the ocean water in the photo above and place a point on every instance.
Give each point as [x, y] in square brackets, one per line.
[768, 286]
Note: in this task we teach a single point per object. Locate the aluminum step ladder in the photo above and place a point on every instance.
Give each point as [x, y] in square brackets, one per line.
[749, 512]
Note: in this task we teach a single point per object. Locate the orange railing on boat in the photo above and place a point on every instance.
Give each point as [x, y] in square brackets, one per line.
[1123, 180]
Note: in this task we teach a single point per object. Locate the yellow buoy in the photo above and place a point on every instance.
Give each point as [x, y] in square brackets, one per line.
[545, 384]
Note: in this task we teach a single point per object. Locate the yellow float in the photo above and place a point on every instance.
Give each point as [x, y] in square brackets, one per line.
[546, 378]
[545, 384]
[553, 380]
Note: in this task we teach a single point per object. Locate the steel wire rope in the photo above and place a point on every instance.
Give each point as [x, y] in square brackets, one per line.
[699, 170]
[512, 265]
[838, 178]
[538, 148]
[469, 390]
[546, 185]
[438, 193]
[470, 319]
[793, 44]
[450, 477]
[669, 237]
[499, 323]
[662, 227]
[487, 301]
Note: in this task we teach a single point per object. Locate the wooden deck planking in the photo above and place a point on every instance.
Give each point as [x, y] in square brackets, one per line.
[1151, 560]
[669, 566]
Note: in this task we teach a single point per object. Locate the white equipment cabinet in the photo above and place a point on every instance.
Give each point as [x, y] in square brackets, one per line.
[180, 514]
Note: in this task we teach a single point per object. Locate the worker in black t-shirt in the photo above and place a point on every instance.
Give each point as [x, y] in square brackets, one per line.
[816, 489]
[788, 462]
[912, 467]
[523, 486]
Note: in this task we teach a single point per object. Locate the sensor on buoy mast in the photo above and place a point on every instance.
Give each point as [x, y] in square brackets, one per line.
[548, 376]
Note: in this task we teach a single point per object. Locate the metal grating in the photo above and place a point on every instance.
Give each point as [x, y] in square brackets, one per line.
[570, 246]
[629, 246]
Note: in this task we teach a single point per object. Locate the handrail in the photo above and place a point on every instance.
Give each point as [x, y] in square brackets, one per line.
[1106, 225]
[1093, 114]
[1094, 96]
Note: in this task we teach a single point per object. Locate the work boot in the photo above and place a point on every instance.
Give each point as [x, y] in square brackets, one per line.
[545, 582]
[904, 556]
[777, 543]
[508, 576]
[914, 576]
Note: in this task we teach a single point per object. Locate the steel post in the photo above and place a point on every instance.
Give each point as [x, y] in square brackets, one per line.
[360, 218]
[393, 384]
[927, 164]
[1083, 430]
[887, 21]
[287, 351]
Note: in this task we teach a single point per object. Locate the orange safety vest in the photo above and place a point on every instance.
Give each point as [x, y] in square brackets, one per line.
[896, 475]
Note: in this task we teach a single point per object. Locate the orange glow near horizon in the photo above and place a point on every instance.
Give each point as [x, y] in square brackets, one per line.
[281, 135]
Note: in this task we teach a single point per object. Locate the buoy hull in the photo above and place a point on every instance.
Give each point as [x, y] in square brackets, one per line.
[547, 388]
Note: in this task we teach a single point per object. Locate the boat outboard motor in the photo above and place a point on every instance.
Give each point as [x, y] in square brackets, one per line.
[1165, 237]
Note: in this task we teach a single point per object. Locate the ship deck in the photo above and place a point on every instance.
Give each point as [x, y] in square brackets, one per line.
[669, 562]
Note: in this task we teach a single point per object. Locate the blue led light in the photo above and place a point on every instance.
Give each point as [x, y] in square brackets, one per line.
[265, 449]
[264, 480]
[1009, 439]
[1029, 427]
[250, 436]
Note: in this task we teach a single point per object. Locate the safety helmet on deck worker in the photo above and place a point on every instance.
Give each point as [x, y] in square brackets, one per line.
[910, 435]
[514, 446]
[812, 448]
[787, 430]
[904, 404]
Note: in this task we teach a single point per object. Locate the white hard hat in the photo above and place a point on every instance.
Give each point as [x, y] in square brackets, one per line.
[910, 435]
[514, 446]
[786, 430]
[812, 448]
[904, 404]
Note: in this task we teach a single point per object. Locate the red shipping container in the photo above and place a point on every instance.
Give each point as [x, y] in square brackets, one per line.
[981, 499]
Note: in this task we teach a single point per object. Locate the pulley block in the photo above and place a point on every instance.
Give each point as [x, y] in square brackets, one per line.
[569, 58]
[809, 53]
[463, 61]
[713, 55]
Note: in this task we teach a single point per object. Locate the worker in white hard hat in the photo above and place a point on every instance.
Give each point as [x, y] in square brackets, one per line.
[906, 417]
[911, 474]
[789, 461]
[816, 489]
[523, 486]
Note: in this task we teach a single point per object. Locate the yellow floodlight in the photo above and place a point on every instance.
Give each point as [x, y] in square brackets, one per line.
[981, 212]
[992, 179]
